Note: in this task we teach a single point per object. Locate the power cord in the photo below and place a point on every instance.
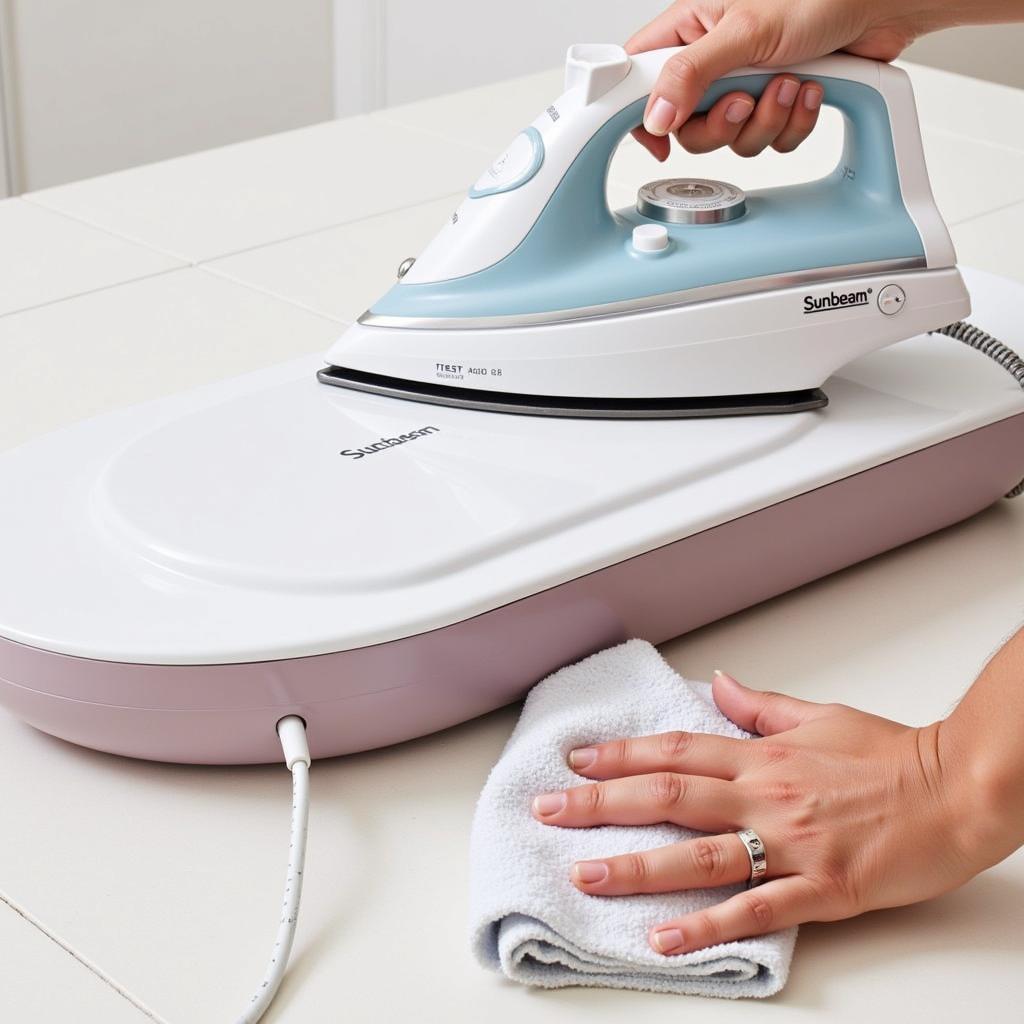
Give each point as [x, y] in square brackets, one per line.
[291, 730]
[976, 338]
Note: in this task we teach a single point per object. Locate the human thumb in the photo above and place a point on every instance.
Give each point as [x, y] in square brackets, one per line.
[759, 711]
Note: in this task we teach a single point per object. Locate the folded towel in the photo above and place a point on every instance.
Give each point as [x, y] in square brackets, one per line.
[527, 918]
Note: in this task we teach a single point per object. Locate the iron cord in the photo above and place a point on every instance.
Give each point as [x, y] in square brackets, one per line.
[978, 339]
[292, 733]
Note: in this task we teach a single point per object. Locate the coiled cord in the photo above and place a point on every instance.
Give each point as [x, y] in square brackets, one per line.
[978, 339]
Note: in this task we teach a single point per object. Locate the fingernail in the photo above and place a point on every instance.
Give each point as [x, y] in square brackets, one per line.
[590, 871]
[549, 803]
[813, 98]
[738, 111]
[787, 92]
[660, 117]
[582, 757]
[667, 940]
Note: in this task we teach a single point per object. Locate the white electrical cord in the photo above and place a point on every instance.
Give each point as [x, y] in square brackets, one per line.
[292, 733]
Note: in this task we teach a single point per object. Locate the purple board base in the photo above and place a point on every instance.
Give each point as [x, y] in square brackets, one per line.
[374, 696]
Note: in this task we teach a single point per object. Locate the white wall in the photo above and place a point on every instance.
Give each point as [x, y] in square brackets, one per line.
[476, 41]
[104, 84]
[439, 46]
[995, 52]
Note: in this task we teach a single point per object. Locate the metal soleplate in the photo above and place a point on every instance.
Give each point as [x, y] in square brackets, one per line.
[593, 408]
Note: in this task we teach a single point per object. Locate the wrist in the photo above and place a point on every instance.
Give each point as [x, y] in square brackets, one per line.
[915, 18]
[984, 791]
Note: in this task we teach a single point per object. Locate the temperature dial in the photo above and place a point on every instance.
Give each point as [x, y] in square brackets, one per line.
[691, 201]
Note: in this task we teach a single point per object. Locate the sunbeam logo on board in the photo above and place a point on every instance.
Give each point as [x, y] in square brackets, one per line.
[835, 300]
[388, 442]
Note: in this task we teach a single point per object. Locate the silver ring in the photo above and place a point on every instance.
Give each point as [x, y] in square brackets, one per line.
[754, 846]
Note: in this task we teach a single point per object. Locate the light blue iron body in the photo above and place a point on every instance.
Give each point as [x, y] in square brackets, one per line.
[578, 253]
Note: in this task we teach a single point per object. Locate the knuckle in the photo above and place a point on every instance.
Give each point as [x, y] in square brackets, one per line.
[591, 798]
[708, 858]
[707, 927]
[759, 911]
[674, 745]
[666, 789]
[637, 867]
[785, 793]
[747, 21]
[680, 71]
[619, 752]
[835, 887]
[784, 145]
[770, 702]
[803, 828]
[759, 30]
[774, 753]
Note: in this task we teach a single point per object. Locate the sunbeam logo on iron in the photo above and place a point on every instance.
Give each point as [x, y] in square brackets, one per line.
[388, 442]
[835, 300]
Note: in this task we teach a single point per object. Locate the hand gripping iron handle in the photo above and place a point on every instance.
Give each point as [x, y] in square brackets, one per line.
[605, 97]
[882, 143]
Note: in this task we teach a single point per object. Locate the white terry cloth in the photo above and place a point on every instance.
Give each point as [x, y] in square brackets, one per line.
[527, 918]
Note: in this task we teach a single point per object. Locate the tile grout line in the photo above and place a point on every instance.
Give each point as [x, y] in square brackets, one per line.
[223, 275]
[29, 197]
[32, 920]
[190, 261]
[949, 133]
[325, 228]
[985, 213]
[95, 291]
[205, 263]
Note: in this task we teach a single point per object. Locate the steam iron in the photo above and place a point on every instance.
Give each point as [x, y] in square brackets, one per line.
[180, 575]
[536, 298]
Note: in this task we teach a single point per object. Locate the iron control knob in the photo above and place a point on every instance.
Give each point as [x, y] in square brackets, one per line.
[691, 201]
[650, 238]
[891, 299]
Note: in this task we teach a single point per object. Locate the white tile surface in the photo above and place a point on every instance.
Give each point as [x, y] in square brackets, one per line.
[111, 348]
[341, 271]
[41, 983]
[209, 204]
[970, 177]
[162, 873]
[994, 242]
[45, 257]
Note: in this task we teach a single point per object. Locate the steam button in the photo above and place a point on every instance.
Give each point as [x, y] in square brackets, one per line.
[650, 237]
[891, 299]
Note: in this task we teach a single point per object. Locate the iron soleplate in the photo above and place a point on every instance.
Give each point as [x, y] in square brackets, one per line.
[592, 408]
